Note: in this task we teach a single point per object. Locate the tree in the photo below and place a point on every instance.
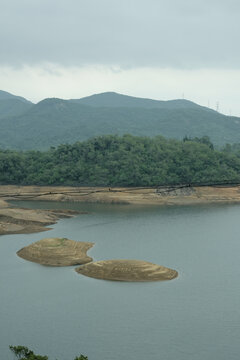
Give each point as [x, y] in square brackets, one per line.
[23, 353]
[123, 161]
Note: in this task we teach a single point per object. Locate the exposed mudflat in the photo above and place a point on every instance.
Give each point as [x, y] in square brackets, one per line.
[57, 252]
[15, 220]
[160, 196]
[127, 270]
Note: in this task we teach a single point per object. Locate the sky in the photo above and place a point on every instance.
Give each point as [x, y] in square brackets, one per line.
[147, 48]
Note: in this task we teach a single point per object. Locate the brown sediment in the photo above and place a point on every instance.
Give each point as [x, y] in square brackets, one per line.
[22, 221]
[57, 252]
[65, 252]
[121, 195]
[13, 220]
[127, 270]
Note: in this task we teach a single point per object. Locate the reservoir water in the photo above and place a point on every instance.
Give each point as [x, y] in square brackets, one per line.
[58, 313]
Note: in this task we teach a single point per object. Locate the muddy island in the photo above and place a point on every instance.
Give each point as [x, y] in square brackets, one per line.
[127, 270]
[57, 252]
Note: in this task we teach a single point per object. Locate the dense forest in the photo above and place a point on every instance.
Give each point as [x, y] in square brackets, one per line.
[122, 161]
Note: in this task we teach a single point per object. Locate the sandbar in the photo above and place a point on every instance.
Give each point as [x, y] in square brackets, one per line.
[127, 270]
[57, 252]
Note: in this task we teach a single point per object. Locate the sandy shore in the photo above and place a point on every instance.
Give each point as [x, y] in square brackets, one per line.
[162, 196]
[17, 220]
[22, 221]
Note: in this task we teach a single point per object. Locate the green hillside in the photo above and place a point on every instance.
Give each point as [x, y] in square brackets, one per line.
[124, 161]
[13, 107]
[54, 121]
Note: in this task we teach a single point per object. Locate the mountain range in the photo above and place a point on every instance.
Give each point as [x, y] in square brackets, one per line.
[52, 121]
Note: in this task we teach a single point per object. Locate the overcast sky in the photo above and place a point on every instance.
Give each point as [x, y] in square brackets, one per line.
[149, 48]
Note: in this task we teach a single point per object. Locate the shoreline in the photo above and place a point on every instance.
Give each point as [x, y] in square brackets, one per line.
[123, 195]
[14, 220]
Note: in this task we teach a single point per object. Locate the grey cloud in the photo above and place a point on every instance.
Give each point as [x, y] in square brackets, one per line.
[128, 33]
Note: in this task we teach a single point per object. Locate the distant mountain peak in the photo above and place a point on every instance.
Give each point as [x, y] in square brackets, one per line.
[51, 101]
[113, 99]
[4, 95]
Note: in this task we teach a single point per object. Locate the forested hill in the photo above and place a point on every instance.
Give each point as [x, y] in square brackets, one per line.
[11, 105]
[55, 121]
[122, 161]
[112, 99]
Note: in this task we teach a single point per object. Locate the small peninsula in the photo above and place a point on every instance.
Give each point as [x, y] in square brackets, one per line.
[14, 220]
[127, 270]
[57, 252]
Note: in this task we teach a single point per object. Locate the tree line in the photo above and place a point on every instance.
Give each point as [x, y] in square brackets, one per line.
[123, 161]
[23, 353]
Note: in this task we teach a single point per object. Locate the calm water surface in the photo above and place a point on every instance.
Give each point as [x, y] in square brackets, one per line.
[59, 313]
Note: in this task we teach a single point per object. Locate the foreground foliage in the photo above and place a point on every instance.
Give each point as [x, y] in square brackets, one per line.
[122, 161]
[23, 353]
